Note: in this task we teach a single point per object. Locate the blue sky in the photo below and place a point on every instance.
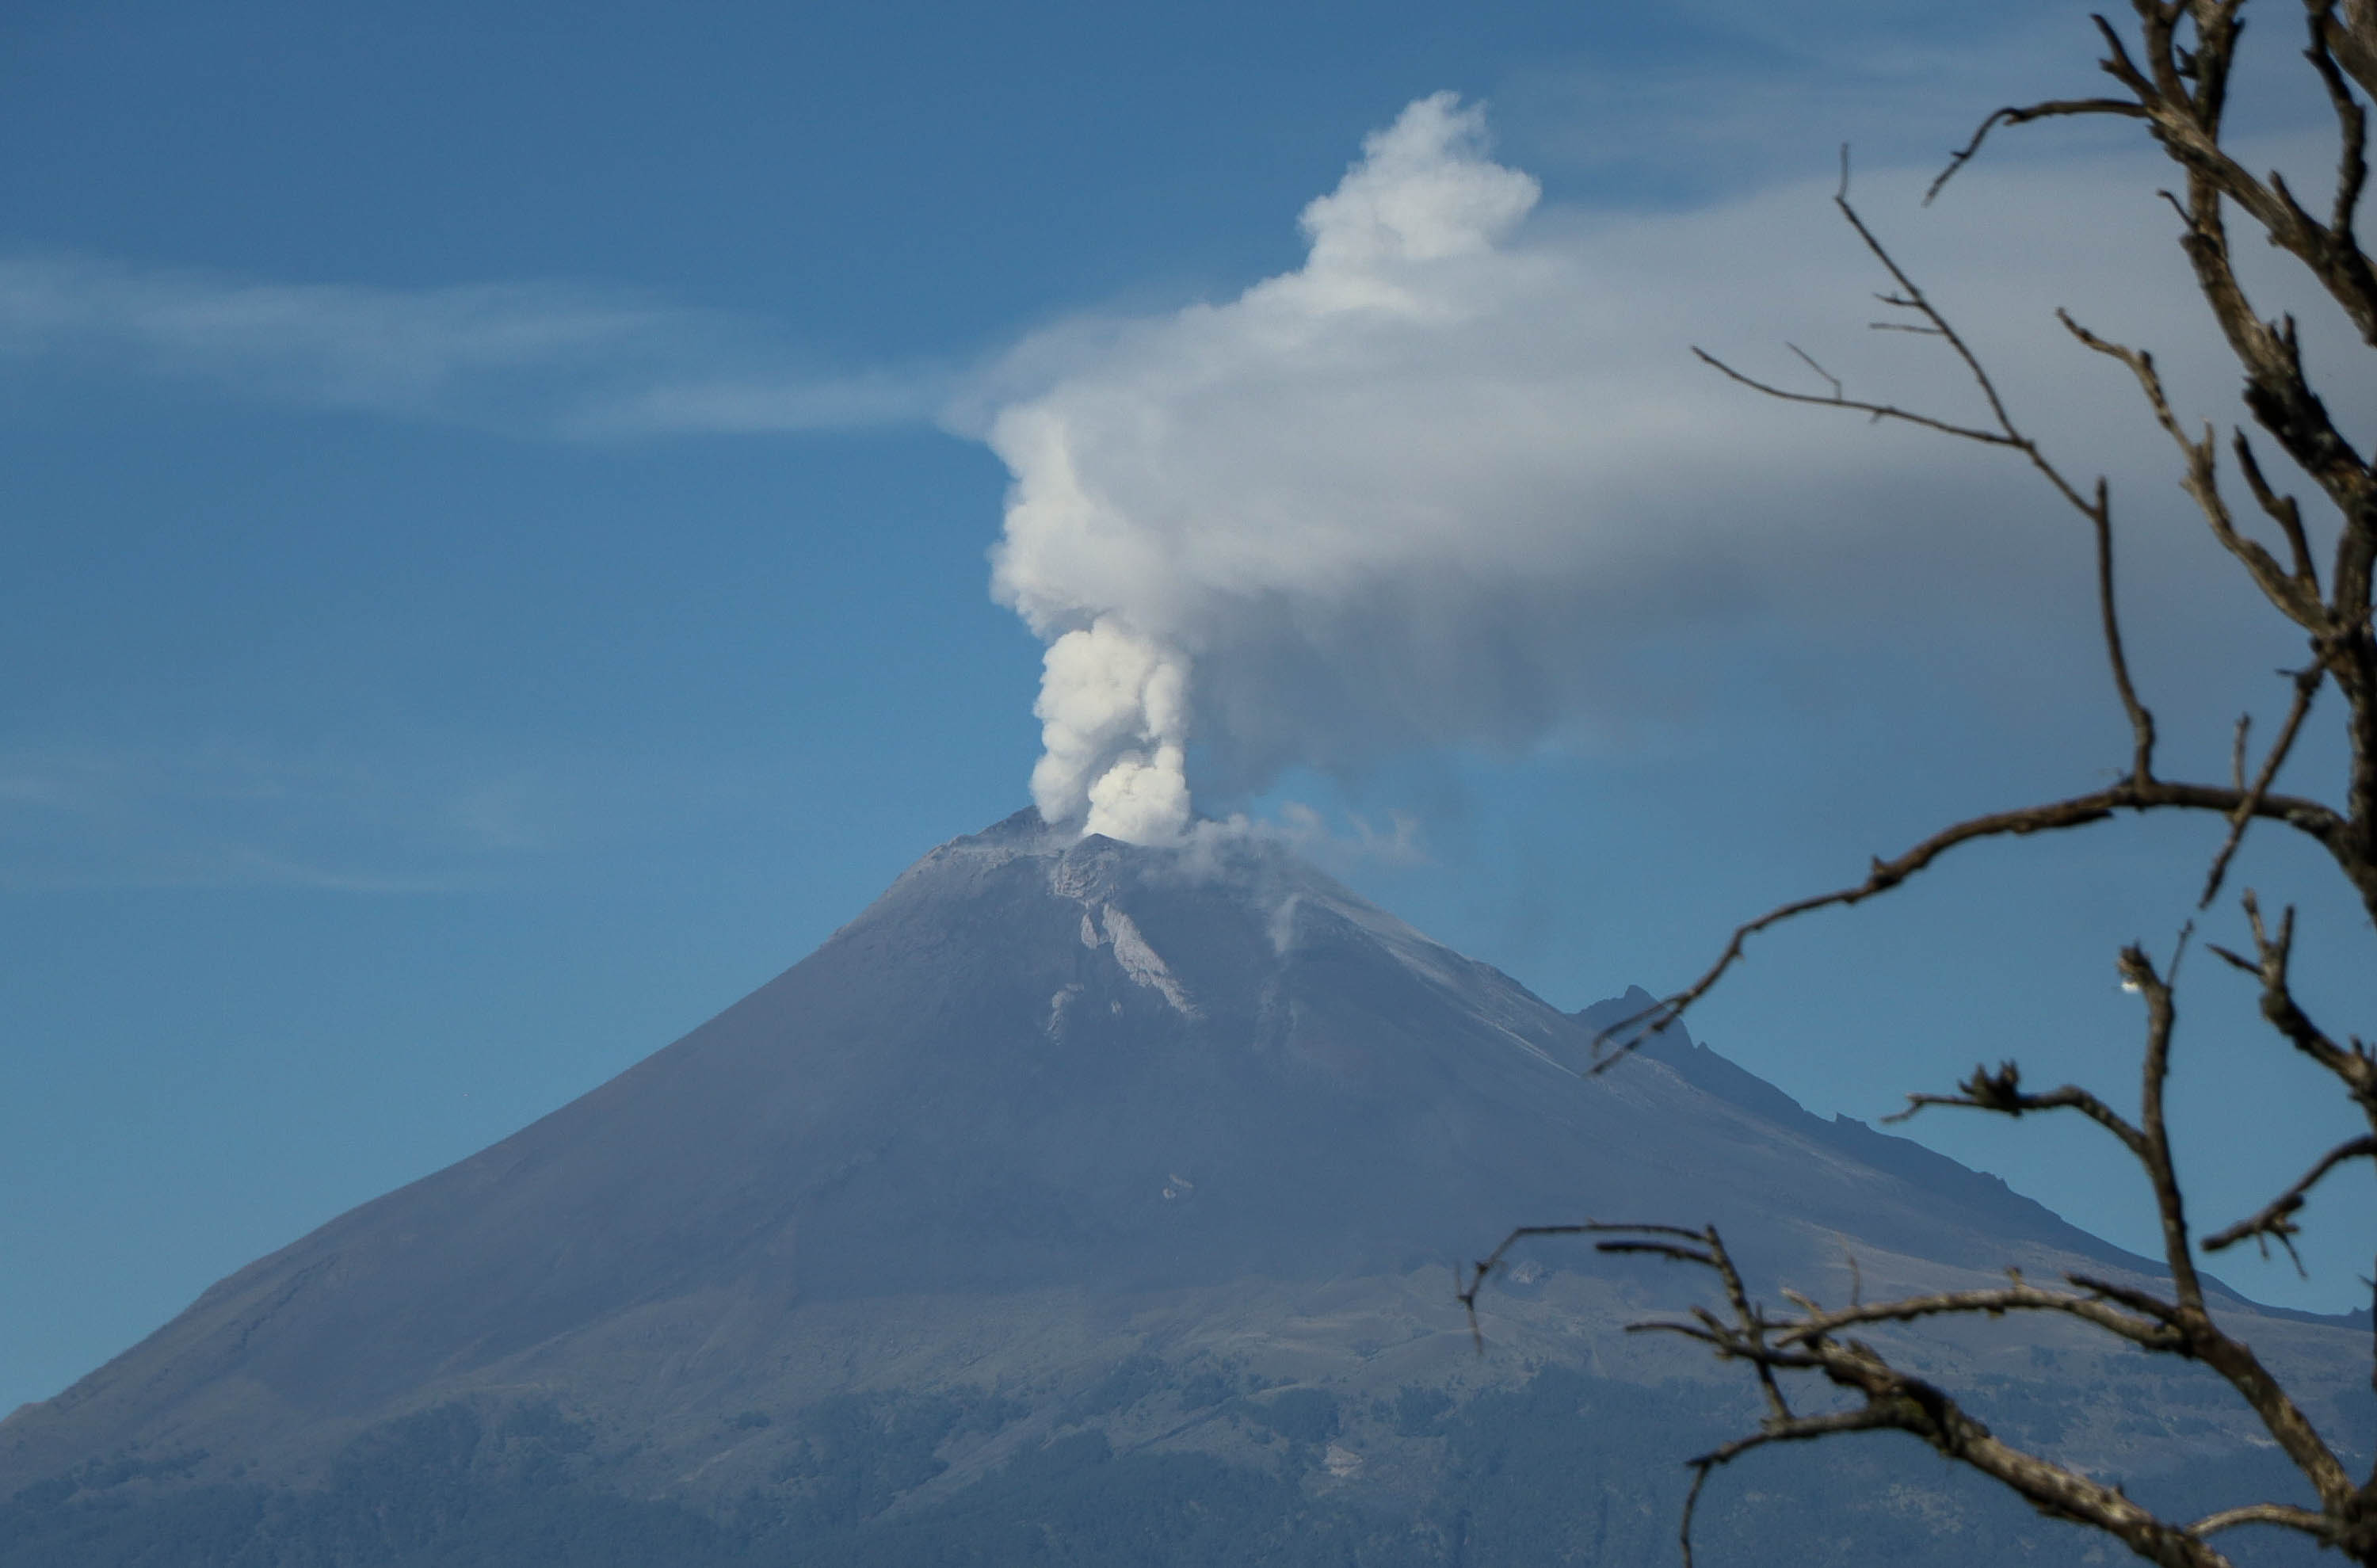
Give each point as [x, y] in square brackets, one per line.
[498, 516]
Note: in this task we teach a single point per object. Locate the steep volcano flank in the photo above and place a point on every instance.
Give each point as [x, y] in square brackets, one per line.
[1033, 1065]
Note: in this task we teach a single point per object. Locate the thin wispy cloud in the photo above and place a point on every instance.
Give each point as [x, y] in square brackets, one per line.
[221, 814]
[759, 406]
[536, 358]
[402, 815]
[1678, 135]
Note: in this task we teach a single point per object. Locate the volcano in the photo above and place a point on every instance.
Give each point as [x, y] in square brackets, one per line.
[1072, 1183]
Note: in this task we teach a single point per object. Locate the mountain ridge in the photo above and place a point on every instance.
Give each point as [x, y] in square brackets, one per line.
[1046, 1109]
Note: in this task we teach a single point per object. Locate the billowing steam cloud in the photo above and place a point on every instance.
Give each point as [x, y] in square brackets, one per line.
[1131, 582]
[1113, 715]
[1439, 484]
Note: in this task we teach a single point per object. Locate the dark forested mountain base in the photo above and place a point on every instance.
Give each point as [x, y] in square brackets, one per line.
[1564, 1469]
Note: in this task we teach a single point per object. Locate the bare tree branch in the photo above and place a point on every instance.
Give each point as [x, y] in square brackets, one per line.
[2293, 1518]
[2089, 1308]
[1894, 1400]
[2012, 115]
[2001, 1092]
[2273, 955]
[2351, 120]
[1798, 1429]
[2282, 511]
[2306, 683]
[2174, 79]
[1834, 400]
[2276, 1219]
[2138, 974]
[2201, 483]
[1466, 1293]
[2320, 822]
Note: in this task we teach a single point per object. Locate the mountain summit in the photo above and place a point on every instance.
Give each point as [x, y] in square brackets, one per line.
[1047, 1108]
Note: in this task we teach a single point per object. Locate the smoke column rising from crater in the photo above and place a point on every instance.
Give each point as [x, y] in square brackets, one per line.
[1114, 725]
[1456, 480]
[1125, 586]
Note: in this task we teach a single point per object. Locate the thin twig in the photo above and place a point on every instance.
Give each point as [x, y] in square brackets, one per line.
[1879, 410]
[2318, 822]
[2306, 683]
[2137, 972]
[2276, 1219]
[2201, 483]
[2109, 616]
[2291, 1517]
[2010, 115]
[2281, 509]
[2001, 1092]
[1807, 359]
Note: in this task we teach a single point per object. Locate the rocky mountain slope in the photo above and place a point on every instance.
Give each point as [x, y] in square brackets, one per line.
[1074, 1181]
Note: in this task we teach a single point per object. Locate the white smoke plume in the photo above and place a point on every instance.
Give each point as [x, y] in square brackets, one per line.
[1127, 586]
[1113, 717]
[1457, 481]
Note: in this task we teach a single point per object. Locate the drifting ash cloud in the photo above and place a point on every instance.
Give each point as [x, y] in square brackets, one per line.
[1457, 480]
[533, 358]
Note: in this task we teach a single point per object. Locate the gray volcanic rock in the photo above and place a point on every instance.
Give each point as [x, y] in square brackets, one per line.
[1047, 1106]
